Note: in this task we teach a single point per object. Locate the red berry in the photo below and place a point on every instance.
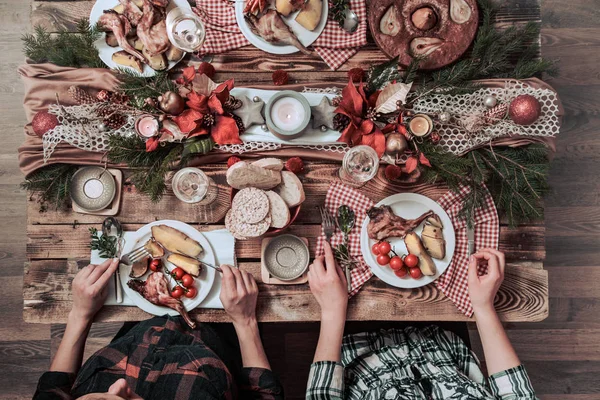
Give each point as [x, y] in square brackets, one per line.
[206, 69]
[280, 77]
[295, 165]
[232, 160]
[356, 74]
[393, 172]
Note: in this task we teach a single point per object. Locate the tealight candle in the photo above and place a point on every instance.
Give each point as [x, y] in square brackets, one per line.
[93, 188]
[420, 125]
[288, 114]
[146, 126]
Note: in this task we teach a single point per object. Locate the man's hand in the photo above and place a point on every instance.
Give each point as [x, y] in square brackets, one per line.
[328, 284]
[483, 289]
[238, 295]
[90, 288]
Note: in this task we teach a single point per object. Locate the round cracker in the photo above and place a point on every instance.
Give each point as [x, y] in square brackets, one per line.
[229, 224]
[247, 230]
[250, 205]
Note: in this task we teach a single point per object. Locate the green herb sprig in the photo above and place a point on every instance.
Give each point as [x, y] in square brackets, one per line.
[106, 245]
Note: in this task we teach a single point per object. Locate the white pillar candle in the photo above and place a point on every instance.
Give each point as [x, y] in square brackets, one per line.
[93, 188]
[288, 114]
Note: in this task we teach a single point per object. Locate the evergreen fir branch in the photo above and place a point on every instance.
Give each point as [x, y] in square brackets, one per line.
[139, 87]
[52, 185]
[379, 75]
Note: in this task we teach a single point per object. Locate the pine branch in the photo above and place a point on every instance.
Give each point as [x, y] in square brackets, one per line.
[52, 185]
[139, 87]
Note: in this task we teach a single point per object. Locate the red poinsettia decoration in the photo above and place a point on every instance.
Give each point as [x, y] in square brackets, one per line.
[361, 129]
[206, 115]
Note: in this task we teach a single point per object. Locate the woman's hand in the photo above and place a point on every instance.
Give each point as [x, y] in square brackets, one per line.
[90, 289]
[328, 284]
[238, 295]
[483, 289]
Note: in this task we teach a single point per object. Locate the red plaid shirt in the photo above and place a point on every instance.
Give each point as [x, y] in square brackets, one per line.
[163, 359]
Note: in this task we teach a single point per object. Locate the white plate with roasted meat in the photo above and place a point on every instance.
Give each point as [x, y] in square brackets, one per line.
[408, 240]
[176, 245]
[135, 35]
[282, 26]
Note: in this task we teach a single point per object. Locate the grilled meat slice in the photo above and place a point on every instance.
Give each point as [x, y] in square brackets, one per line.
[384, 223]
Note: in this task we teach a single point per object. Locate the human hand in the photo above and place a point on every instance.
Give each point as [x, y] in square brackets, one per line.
[483, 289]
[328, 284]
[239, 293]
[90, 289]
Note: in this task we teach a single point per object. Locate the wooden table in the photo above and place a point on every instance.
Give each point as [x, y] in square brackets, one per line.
[58, 241]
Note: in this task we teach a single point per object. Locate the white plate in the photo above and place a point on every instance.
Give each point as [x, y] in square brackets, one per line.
[105, 51]
[305, 36]
[203, 283]
[409, 206]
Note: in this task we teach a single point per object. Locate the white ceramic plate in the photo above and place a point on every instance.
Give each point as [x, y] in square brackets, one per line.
[409, 206]
[305, 36]
[105, 51]
[203, 283]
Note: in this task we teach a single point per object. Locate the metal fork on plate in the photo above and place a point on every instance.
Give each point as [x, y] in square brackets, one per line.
[141, 252]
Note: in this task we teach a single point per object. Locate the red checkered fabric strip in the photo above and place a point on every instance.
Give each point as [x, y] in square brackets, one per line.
[453, 283]
[335, 45]
[337, 195]
[222, 31]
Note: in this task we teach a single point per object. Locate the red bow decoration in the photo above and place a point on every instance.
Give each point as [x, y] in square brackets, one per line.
[360, 129]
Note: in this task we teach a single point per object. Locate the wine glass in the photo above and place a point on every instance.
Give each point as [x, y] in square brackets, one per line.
[191, 185]
[185, 30]
[359, 166]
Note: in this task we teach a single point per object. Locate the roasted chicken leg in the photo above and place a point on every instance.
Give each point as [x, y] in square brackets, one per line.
[153, 37]
[271, 27]
[384, 223]
[131, 11]
[155, 290]
[120, 25]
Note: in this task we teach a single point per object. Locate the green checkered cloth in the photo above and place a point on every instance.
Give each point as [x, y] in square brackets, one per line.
[412, 363]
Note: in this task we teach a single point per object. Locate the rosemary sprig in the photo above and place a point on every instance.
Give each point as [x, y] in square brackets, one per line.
[106, 245]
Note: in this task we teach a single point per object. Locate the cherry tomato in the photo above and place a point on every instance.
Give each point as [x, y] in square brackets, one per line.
[187, 280]
[155, 264]
[383, 259]
[401, 273]
[396, 263]
[178, 272]
[191, 293]
[384, 247]
[375, 249]
[177, 292]
[416, 272]
[411, 261]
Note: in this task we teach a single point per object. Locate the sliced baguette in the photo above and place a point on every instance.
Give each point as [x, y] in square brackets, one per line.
[290, 189]
[242, 175]
[280, 213]
[274, 164]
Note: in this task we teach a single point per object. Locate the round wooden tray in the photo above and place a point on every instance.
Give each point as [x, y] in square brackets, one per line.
[456, 37]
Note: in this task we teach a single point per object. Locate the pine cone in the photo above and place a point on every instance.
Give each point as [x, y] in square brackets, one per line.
[340, 122]
[239, 123]
[119, 98]
[495, 114]
[115, 121]
[232, 103]
[81, 96]
[105, 110]
[208, 120]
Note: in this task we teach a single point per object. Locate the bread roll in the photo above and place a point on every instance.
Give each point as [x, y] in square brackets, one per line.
[242, 175]
[290, 189]
[280, 213]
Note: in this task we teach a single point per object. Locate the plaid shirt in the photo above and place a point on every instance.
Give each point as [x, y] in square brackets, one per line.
[164, 359]
[412, 364]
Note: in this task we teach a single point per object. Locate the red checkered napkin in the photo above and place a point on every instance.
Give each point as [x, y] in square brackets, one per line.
[335, 45]
[222, 30]
[453, 283]
[338, 195]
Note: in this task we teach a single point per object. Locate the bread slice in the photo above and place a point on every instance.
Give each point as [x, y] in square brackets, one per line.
[280, 213]
[274, 164]
[290, 189]
[242, 175]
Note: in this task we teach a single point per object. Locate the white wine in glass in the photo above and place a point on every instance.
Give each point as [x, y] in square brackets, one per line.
[185, 30]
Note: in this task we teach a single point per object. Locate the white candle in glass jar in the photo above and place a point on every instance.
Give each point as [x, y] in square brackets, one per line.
[288, 114]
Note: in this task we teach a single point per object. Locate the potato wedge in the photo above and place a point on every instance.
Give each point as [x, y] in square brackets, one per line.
[435, 221]
[157, 62]
[136, 43]
[414, 246]
[124, 58]
[175, 241]
[139, 268]
[174, 54]
[120, 8]
[154, 249]
[189, 265]
[111, 39]
[433, 241]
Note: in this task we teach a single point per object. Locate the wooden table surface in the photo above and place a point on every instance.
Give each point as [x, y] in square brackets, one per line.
[58, 241]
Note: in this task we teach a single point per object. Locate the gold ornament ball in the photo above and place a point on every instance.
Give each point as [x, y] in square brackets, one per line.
[171, 103]
[396, 144]
[524, 109]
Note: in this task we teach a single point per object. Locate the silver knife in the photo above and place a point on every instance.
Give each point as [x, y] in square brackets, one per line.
[471, 240]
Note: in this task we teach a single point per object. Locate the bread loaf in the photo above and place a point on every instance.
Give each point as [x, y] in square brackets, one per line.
[274, 164]
[242, 175]
[280, 213]
[290, 189]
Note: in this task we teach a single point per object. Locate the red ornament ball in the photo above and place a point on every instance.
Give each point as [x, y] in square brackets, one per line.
[42, 122]
[393, 172]
[280, 77]
[295, 165]
[356, 74]
[206, 69]
[524, 109]
[233, 160]
[435, 137]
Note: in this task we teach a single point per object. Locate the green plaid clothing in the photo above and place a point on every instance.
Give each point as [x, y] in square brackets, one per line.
[163, 359]
[412, 363]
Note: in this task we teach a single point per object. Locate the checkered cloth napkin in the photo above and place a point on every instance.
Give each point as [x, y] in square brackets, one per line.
[453, 283]
[335, 46]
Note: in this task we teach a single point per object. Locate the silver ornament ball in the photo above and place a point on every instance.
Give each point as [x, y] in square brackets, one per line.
[256, 99]
[264, 127]
[444, 116]
[490, 101]
[102, 127]
[323, 128]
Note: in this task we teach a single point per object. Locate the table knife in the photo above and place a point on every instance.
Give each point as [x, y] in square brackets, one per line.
[471, 240]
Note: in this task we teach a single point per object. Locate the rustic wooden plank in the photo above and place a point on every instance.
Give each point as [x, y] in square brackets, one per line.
[523, 297]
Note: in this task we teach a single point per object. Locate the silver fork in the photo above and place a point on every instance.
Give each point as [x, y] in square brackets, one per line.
[141, 252]
[328, 223]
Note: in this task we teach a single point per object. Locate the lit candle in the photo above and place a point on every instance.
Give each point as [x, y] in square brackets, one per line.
[420, 125]
[288, 114]
[93, 188]
[146, 126]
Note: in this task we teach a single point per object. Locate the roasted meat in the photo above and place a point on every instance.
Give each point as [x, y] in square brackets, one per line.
[153, 36]
[131, 11]
[120, 26]
[271, 27]
[384, 223]
[156, 291]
